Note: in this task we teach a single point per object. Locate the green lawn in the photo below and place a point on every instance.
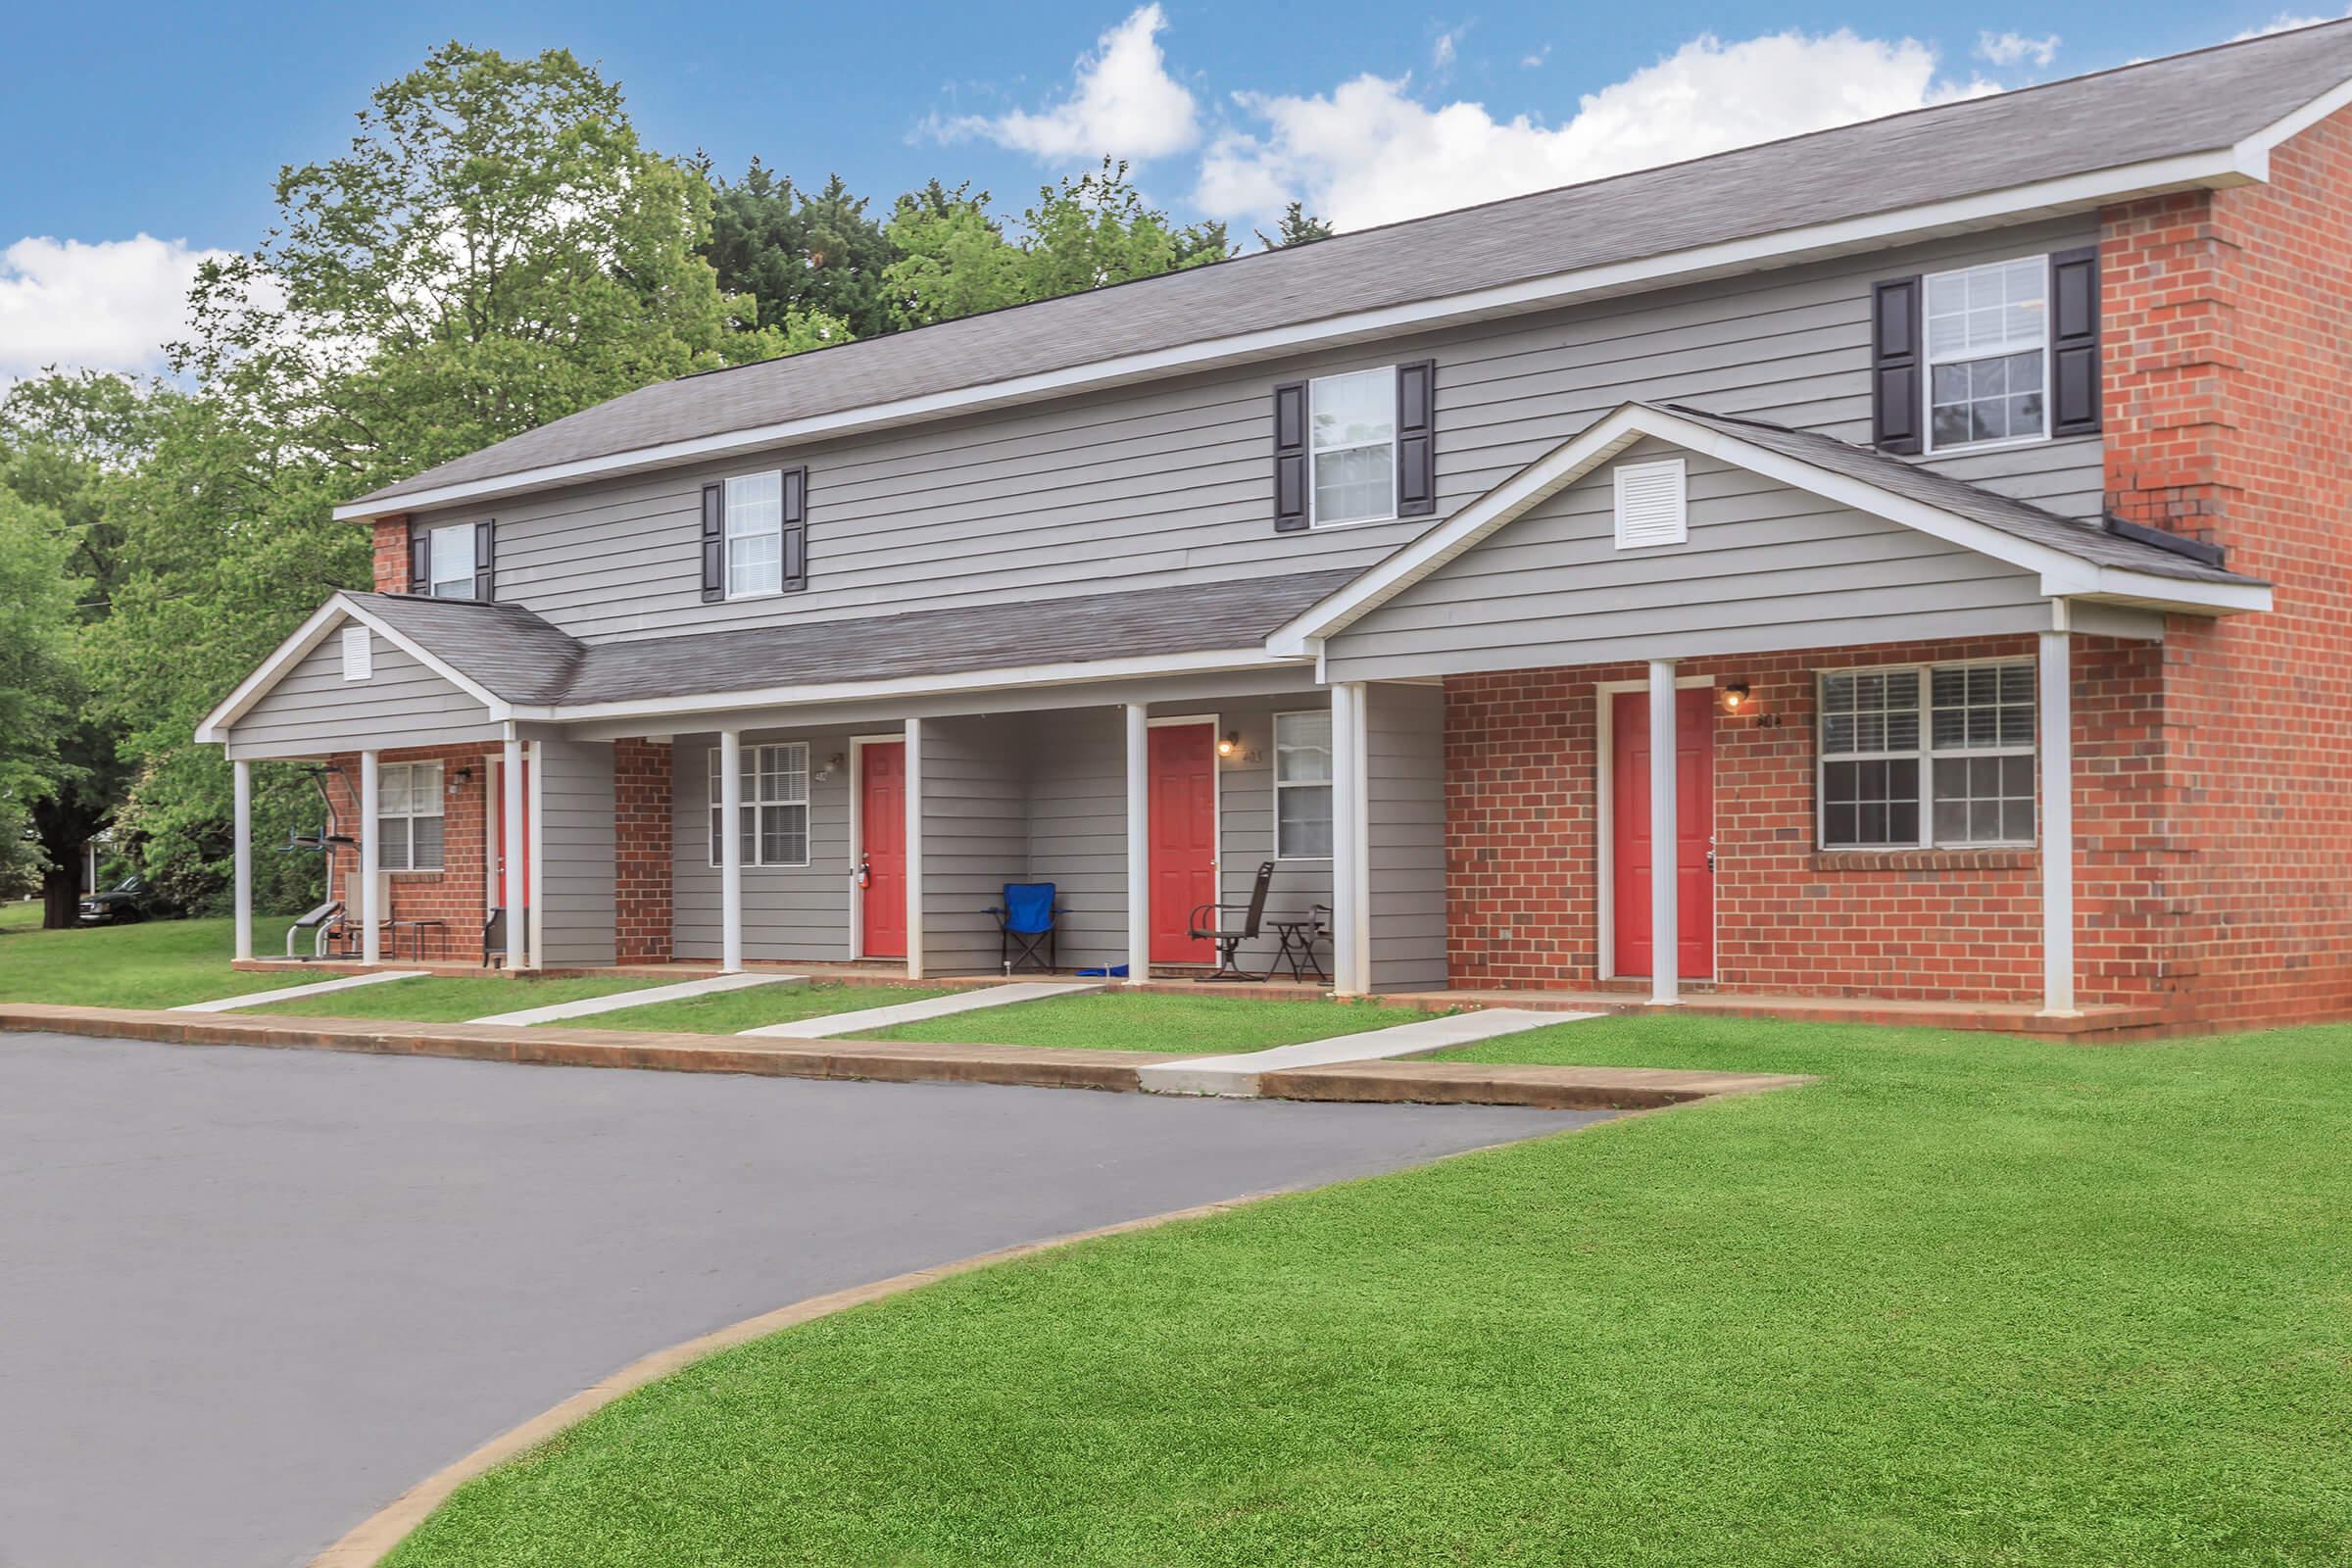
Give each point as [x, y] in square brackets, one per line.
[1967, 1302]
[1127, 1020]
[730, 1012]
[21, 915]
[158, 963]
[449, 1000]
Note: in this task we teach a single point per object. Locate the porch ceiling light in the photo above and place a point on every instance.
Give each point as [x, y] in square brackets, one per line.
[1735, 697]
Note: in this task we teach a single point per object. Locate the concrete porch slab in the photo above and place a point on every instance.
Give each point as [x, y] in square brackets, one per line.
[319, 988]
[850, 1023]
[621, 1000]
[1239, 1074]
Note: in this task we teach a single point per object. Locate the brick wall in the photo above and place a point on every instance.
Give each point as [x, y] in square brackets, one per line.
[391, 556]
[1523, 846]
[2228, 330]
[457, 894]
[641, 784]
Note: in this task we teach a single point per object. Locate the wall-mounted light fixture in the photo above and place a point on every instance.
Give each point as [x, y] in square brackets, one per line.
[1736, 697]
[463, 777]
[833, 765]
[1229, 744]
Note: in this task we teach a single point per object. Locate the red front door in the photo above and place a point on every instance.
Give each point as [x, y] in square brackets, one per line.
[1184, 838]
[882, 841]
[1694, 823]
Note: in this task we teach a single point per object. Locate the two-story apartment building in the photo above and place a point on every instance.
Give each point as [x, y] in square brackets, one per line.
[1904, 561]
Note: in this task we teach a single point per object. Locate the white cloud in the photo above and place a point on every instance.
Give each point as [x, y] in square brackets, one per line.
[2014, 48]
[1368, 152]
[1536, 57]
[2284, 22]
[1444, 48]
[1123, 104]
[107, 306]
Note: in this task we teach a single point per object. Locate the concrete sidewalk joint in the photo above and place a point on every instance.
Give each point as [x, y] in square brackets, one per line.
[317, 988]
[621, 1000]
[864, 1018]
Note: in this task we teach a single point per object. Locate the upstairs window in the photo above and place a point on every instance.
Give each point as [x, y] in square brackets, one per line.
[1989, 364]
[408, 817]
[1352, 437]
[774, 805]
[754, 535]
[1964, 776]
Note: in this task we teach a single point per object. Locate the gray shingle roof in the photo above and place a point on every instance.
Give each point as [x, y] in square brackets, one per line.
[525, 659]
[2081, 540]
[2162, 108]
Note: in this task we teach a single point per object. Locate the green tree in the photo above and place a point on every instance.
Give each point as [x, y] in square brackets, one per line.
[39, 691]
[1295, 229]
[799, 257]
[953, 259]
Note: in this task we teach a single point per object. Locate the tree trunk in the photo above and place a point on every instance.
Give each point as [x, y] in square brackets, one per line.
[60, 897]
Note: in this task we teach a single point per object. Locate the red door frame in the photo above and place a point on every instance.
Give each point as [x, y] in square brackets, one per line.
[1183, 823]
[1628, 719]
[494, 830]
[887, 873]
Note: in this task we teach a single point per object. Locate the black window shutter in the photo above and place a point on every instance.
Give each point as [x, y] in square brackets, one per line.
[715, 542]
[1897, 406]
[420, 560]
[1289, 457]
[796, 529]
[2074, 342]
[486, 560]
[1416, 439]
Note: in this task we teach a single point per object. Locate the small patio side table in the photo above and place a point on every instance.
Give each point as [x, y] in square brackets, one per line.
[1298, 933]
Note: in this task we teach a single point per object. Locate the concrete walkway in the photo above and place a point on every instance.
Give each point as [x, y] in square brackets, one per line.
[317, 988]
[621, 1000]
[849, 1023]
[1238, 1074]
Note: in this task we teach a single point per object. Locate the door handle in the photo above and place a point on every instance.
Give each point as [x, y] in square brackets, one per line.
[1710, 862]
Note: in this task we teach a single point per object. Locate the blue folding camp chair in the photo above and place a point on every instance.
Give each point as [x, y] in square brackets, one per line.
[1025, 920]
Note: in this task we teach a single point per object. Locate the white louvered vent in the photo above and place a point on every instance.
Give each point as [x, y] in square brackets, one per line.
[359, 654]
[1650, 504]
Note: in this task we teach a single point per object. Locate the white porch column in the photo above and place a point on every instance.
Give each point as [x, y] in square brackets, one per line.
[2057, 826]
[1351, 838]
[370, 857]
[730, 849]
[1665, 925]
[1138, 843]
[914, 849]
[514, 853]
[534, 855]
[241, 790]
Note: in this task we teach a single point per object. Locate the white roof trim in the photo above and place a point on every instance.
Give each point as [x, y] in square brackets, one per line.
[217, 725]
[2062, 575]
[2228, 166]
[2253, 154]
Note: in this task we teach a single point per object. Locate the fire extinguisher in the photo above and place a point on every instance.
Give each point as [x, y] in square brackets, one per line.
[863, 876]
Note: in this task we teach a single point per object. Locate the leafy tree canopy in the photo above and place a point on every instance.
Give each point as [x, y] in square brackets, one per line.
[799, 257]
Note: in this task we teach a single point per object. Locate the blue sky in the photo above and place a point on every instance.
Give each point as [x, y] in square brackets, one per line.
[169, 123]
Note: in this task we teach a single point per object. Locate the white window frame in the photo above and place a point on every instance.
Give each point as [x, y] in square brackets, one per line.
[463, 582]
[407, 838]
[1329, 786]
[1930, 359]
[1926, 753]
[729, 536]
[752, 803]
[1313, 520]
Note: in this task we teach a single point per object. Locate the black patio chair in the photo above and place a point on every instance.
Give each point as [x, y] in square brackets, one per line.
[1026, 921]
[1207, 927]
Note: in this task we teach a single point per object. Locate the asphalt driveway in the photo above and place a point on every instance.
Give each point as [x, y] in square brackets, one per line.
[247, 1296]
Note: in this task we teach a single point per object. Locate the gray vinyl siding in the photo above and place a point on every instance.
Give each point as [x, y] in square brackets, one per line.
[1076, 801]
[574, 889]
[975, 836]
[796, 912]
[1404, 819]
[1765, 566]
[1170, 481]
[312, 709]
[1245, 829]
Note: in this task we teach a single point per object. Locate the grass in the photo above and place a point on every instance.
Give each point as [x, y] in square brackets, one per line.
[730, 1012]
[449, 1000]
[1127, 1020]
[158, 964]
[20, 914]
[1969, 1300]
